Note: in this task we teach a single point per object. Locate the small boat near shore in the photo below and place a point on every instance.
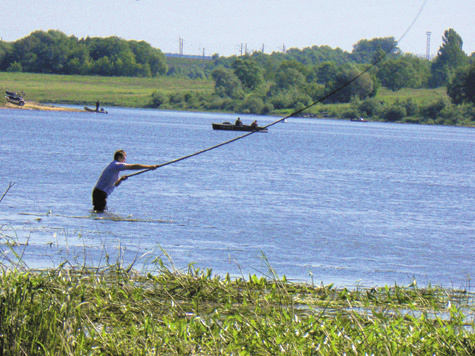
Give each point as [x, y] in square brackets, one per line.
[231, 127]
[100, 111]
[14, 98]
[359, 119]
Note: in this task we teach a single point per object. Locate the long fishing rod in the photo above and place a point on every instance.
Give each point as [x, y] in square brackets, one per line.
[379, 59]
[194, 154]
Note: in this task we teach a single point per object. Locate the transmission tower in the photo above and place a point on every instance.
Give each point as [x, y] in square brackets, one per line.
[180, 46]
[428, 45]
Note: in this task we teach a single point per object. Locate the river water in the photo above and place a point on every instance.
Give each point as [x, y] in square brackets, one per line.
[322, 201]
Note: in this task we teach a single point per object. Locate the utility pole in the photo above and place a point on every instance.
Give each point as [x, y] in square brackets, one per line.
[428, 45]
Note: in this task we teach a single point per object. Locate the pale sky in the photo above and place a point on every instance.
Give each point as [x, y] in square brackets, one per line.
[222, 26]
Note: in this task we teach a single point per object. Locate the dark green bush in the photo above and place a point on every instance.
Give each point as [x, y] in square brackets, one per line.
[394, 113]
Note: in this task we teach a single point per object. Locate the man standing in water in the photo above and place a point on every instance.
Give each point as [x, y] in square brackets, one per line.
[110, 179]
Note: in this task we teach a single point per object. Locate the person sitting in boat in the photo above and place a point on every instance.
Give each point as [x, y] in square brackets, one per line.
[254, 124]
[97, 105]
[238, 122]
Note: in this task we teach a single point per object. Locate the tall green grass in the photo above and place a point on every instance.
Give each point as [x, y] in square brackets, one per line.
[115, 310]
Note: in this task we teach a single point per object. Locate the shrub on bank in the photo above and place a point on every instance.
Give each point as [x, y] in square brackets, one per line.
[394, 113]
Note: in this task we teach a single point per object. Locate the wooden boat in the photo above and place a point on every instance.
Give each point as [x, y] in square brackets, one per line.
[100, 111]
[231, 127]
[14, 98]
[359, 119]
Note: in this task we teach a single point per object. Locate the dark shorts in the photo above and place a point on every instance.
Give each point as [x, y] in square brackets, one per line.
[99, 200]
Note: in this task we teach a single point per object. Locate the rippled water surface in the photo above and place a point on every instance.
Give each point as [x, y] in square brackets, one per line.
[323, 200]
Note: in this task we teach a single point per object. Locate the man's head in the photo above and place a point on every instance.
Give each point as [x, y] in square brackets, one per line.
[119, 154]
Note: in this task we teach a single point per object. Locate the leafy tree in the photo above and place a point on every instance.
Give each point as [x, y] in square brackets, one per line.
[449, 57]
[77, 61]
[315, 91]
[348, 87]
[404, 72]
[254, 105]
[248, 72]
[15, 67]
[291, 74]
[103, 66]
[461, 88]
[289, 98]
[371, 107]
[317, 54]
[469, 88]
[268, 63]
[54, 52]
[5, 53]
[43, 52]
[226, 83]
[364, 51]
[432, 110]
[326, 72]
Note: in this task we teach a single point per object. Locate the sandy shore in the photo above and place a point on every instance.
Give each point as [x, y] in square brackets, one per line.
[31, 105]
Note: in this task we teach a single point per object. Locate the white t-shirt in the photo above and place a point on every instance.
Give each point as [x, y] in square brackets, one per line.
[109, 176]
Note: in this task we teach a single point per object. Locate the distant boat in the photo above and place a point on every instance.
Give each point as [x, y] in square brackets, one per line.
[360, 119]
[100, 111]
[14, 98]
[231, 127]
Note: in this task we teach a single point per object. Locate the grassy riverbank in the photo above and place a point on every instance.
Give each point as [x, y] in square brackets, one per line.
[422, 106]
[86, 90]
[136, 92]
[117, 311]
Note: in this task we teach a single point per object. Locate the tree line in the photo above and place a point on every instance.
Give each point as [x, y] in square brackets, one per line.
[56, 53]
[265, 83]
[262, 83]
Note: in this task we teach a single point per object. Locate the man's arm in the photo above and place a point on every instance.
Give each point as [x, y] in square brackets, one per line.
[135, 167]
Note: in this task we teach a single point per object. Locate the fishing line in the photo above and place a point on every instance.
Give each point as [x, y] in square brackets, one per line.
[379, 59]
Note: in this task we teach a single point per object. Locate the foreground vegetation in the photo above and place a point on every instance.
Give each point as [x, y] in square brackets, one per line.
[116, 311]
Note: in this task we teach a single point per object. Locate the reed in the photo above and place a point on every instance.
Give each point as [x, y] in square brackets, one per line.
[116, 310]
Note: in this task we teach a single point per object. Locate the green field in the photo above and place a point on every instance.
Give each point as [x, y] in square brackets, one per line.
[419, 96]
[86, 90]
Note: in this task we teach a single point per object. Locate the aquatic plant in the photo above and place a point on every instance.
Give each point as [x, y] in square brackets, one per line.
[116, 310]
